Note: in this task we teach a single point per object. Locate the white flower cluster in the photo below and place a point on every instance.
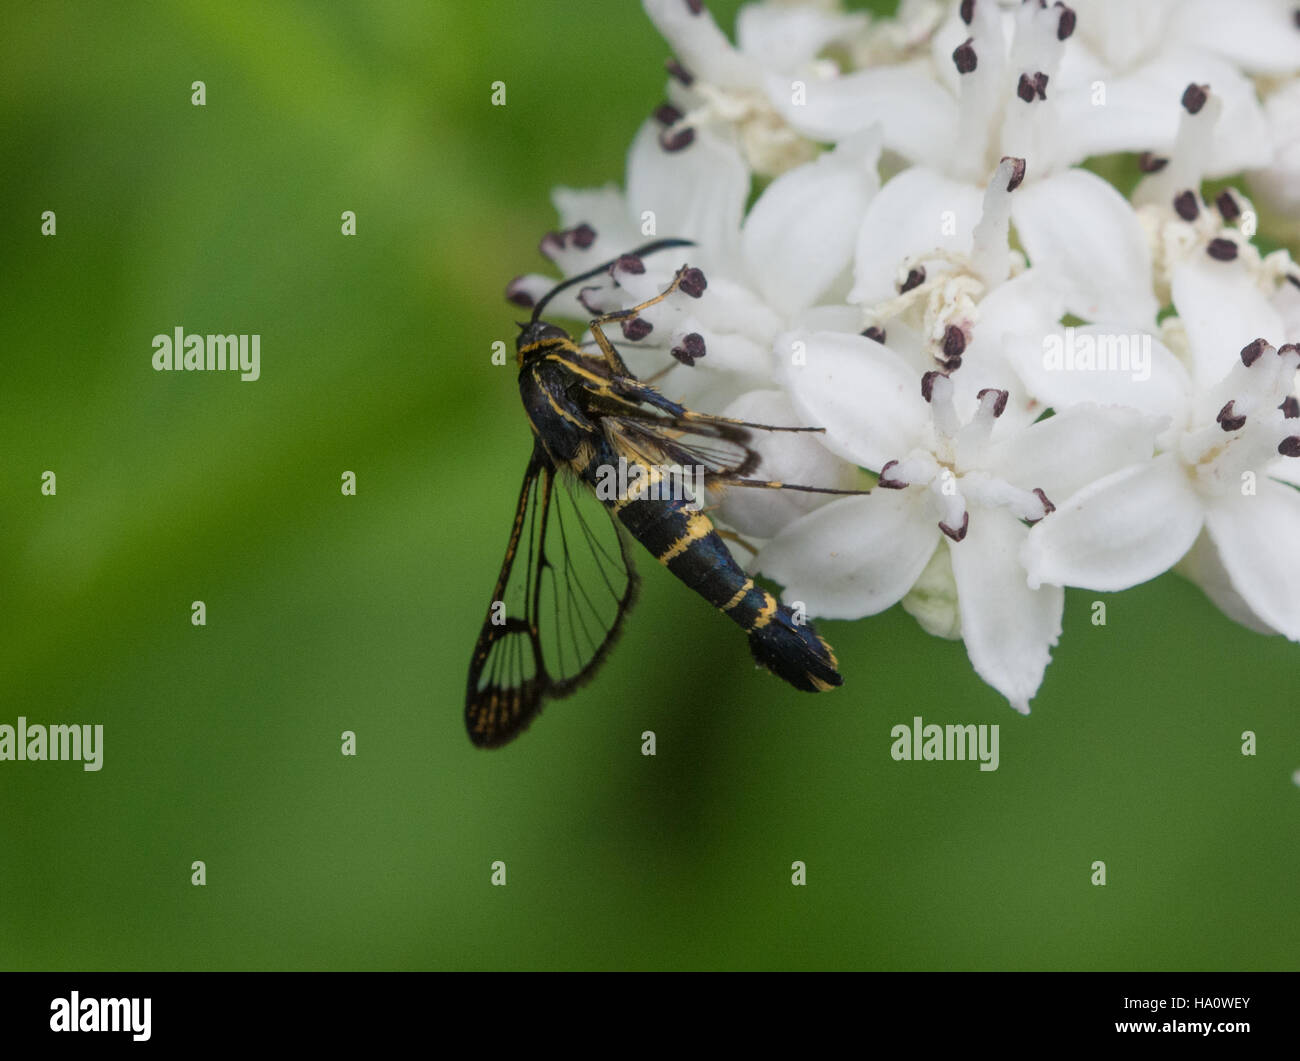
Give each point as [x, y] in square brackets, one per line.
[1054, 384]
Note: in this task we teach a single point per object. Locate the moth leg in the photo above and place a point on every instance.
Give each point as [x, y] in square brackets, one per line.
[612, 356]
[775, 484]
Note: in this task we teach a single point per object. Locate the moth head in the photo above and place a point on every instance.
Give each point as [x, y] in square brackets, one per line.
[536, 335]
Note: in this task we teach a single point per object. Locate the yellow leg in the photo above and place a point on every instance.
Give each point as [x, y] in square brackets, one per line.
[612, 356]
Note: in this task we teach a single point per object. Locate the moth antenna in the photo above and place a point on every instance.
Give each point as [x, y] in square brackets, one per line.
[640, 252]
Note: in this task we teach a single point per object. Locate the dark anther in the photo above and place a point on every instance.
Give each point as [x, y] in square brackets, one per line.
[927, 384]
[693, 282]
[675, 69]
[1065, 26]
[691, 350]
[875, 334]
[1290, 407]
[967, 11]
[678, 141]
[636, 328]
[629, 263]
[1251, 351]
[1194, 97]
[583, 236]
[1040, 84]
[666, 114]
[1150, 162]
[1221, 250]
[915, 278]
[999, 402]
[1025, 89]
[964, 56]
[1228, 420]
[954, 342]
[551, 244]
[1289, 447]
[584, 300]
[1048, 507]
[696, 6]
[958, 534]
[1185, 205]
[1227, 206]
[886, 482]
[515, 293]
[1288, 348]
[1017, 172]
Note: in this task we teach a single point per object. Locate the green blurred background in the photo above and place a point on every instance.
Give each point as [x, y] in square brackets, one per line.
[329, 613]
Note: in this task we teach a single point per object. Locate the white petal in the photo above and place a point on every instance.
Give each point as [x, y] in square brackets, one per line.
[699, 45]
[728, 306]
[932, 600]
[605, 210]
[799, 235]
[853, 557]
[1009, 629]
[1278, 184]
[1141, 110]
[915, 213]
[828, 319]
[1257, 539]
[1018, 312]
[728, 352]
[1287, 299]
[1066, 452]
[1101, 365]
[788, 458]
[1123, 31]
[785, 37]
[1204, 566]
[1118, 532]
[1028, 302]
[696, 193]
[1079, 227]
[1259, 36]
[865, 395]
[917, 117]
[1223, 310]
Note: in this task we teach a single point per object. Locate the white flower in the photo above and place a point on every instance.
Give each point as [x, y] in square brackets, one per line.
[1223, 486]
[1181, 226]
[966, 278]
[1147, 51]
[994, 98]
[954, 475]
[1278, 183]
[986, 90]
[1253, 36]
[765, 275]
[715, 84]
[760, 514]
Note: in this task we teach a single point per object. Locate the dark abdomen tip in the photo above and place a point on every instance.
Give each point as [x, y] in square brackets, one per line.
[795, 653]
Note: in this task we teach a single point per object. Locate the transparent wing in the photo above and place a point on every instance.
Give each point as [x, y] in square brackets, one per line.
[716, 446]
[565, 586]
